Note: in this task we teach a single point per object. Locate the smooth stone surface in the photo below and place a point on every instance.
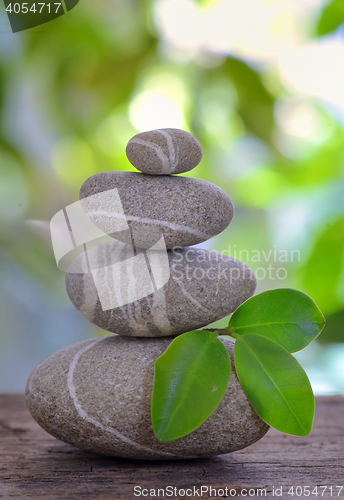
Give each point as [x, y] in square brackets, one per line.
[96, 395]
[203, 287]
[187, 211]
[164, 151]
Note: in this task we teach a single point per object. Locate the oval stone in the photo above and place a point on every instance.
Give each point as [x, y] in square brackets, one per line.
[201, 287]
[96, 395]
[164, 151]
[130, 205]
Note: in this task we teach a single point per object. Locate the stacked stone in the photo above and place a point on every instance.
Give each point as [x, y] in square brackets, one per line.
[96, 395]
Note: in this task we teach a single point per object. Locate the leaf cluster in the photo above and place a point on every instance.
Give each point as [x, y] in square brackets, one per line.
[192, 375]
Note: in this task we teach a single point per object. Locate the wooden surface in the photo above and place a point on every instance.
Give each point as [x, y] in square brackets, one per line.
[36, 465]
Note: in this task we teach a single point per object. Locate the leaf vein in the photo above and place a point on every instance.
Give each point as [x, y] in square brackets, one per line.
[274, 383]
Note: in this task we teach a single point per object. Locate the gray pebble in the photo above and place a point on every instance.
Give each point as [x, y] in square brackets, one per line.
[131, 205]
[201, 287]
[164, 151]
[96, 395]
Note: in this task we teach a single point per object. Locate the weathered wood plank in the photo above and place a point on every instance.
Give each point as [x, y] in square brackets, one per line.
[34, 465]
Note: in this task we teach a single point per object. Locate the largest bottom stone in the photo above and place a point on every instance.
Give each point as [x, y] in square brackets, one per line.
[96, 395]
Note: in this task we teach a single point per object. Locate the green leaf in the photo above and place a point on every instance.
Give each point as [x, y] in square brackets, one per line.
[275, 384]
[190, 381]
[286, 316]
[322, 276]
[331, 18]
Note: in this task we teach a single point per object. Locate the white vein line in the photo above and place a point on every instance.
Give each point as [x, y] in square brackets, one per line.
[142, 220]
[159, 312]
[190, 297]
[172, 153]
[166, 166]
[83, 414]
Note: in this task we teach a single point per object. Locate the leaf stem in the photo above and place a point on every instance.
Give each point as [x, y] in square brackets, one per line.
[235, 335]
[221, 331]
[216, 331]
[230, 330]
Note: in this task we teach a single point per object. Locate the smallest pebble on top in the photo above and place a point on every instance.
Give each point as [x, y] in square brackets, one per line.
[164, 151]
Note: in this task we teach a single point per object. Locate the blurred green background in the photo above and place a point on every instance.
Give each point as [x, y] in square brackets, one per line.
[260, 83]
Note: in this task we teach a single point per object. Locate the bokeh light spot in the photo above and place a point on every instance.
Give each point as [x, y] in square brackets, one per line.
[73, 160]
[113, 134]
[261, 187]
[299, 117]
[151, 110]
[317, 69]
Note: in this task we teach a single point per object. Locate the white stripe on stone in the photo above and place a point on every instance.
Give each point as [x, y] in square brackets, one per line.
[159, 312]
[155, 222]
[191, 298]
[83, 414]
[172, 153]
[166, 167]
